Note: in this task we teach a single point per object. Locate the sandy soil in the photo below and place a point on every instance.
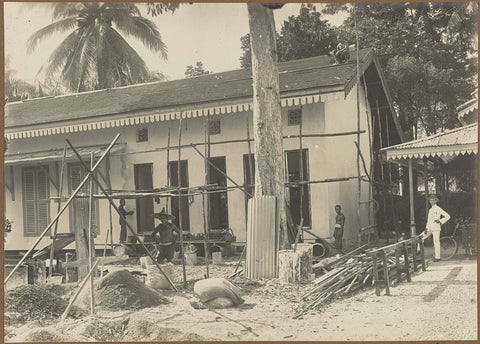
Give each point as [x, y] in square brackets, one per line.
[445, 294]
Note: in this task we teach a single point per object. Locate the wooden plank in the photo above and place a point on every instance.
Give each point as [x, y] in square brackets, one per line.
[106, 260]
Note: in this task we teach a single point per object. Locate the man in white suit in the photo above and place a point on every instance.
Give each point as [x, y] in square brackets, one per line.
[436, 218]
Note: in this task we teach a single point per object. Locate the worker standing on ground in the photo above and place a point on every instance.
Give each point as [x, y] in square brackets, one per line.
[436, 218]
[123, 223]
[168, 232]
[339, 224]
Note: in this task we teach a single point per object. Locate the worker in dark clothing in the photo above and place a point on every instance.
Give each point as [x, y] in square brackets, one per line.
[123, 223]
[339, 224]
[168, 233]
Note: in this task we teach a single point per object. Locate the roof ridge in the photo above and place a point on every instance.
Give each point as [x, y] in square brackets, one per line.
[423, 139]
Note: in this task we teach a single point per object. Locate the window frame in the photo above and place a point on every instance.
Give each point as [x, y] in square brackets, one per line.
[35, 170]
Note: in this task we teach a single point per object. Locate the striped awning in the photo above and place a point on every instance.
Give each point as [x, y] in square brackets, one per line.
[57, 154]
[460, 141]
[166, 116]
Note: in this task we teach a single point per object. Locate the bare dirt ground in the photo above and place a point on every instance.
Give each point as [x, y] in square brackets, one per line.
[445, 293]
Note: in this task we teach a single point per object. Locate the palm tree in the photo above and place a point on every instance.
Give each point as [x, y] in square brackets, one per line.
[95, 55]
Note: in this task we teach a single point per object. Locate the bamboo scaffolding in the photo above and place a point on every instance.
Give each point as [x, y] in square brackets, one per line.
[168, 167]
[74, 297]
[91, 175]
[59, 193]
[204, 200]
[359, 186]
[91, 243]
[382, 172]
[180, 220]
[222, 173]
[40, 237]
[300, 162]
[190, 145]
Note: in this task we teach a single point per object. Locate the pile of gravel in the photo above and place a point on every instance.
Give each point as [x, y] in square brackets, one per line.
[120, 290]
[35, 302]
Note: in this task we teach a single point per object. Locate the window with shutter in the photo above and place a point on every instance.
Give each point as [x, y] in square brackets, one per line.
[36, 203]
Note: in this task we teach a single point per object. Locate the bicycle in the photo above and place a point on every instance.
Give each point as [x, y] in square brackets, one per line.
[449, 245]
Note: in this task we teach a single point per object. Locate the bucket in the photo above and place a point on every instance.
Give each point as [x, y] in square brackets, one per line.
[156, 280]
[191, 258]
[217, 258]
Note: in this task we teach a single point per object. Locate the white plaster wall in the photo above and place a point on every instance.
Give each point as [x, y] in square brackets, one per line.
[329, 157]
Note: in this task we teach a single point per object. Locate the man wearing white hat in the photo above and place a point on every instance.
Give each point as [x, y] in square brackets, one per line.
[436, 218]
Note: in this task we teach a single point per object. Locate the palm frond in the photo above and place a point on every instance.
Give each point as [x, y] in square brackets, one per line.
[60, 55]
[73, 68]
[128, 67]
[58, 26]
[66, 9]
[127, 8]
[143, 29]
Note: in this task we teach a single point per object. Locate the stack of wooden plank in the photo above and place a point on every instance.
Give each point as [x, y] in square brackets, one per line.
[344, 277]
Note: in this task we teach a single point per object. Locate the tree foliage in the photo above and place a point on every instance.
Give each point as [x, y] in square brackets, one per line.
[301, 36]
[195, 71]
[156, 8]
[17, 89]
[95, 54]
[426, 62]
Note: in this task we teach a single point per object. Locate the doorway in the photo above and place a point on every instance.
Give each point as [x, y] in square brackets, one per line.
[182, 200]
[293, 175]
[143, 174]
[218, 202]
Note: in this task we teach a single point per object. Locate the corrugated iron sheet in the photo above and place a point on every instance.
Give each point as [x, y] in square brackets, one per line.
[261, 237]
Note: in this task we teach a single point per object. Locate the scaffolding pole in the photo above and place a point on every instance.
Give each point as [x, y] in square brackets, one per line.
[91, 243]
[180, 222]
[392, 200]
[168, 167]
[206, 224]
[382, 172]
[359, 186]
[59, 193]
[77, 190]
[90, 174]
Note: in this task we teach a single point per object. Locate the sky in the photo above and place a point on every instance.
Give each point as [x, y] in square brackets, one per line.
[208, 32]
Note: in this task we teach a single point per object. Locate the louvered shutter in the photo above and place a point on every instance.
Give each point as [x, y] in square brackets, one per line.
[29, 216]
[43, 202]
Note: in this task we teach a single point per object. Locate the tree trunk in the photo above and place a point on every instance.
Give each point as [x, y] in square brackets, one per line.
[267, 117]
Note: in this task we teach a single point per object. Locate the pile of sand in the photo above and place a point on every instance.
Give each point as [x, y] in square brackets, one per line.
[120, 290]
[35, 302]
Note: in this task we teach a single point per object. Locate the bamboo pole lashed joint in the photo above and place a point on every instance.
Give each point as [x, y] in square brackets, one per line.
[65, 206]
[121, 214]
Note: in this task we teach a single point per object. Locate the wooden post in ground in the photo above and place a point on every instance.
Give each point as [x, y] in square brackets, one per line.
[413, 229]
[168, 168]
[91, 242]
[204, 201]
[300, 162]
[180, 224]
[267, 119]
[359, 190]
[59, 194]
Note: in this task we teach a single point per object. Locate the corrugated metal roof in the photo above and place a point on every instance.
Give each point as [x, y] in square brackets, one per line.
[310, 73]
[463, 140]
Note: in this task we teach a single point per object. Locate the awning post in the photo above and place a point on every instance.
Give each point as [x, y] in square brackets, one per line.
[413, 229]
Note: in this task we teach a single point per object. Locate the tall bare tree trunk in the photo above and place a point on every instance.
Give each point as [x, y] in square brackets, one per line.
[267, 117]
